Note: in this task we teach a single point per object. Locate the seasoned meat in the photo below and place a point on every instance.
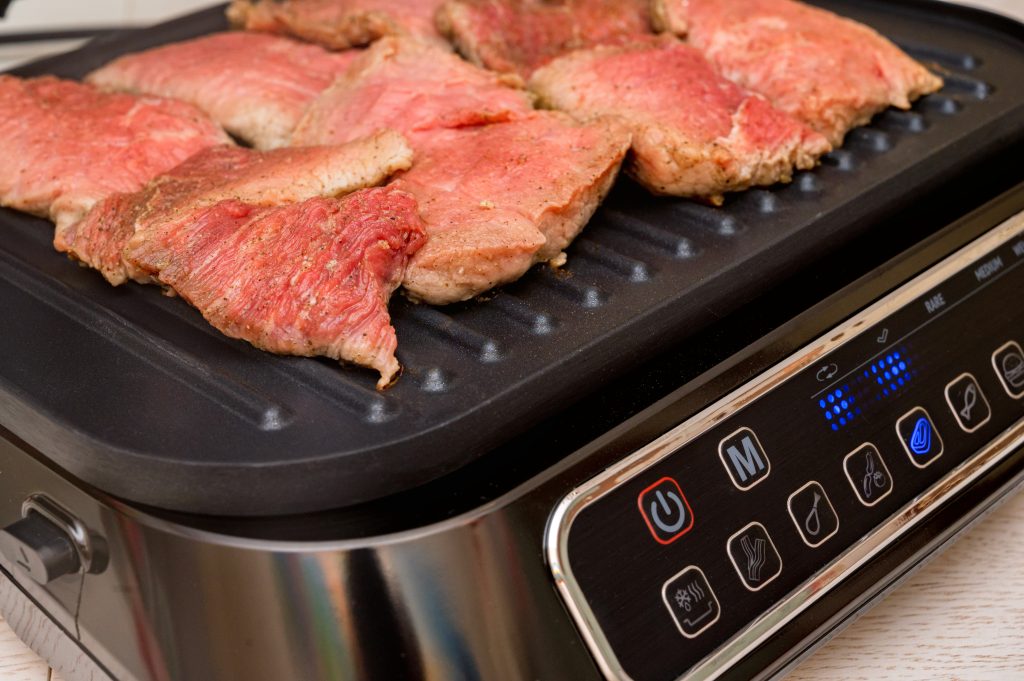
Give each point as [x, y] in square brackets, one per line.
[410, 86]
[694, 133]
[519, 36]
[337, 24]
[256, 86]
[829, 72]
[498, 198]
[68, 145]
[256, 178]
[311, 278]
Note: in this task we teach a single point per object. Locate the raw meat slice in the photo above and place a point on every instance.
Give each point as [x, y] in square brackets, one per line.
[829, 72]
[311, 278]
[694, 133]
[68, 145]
[257, 86]
[255, 178]
[410, 86]
[519, 36]
[337, 24]
[470, 248]
[498, 198]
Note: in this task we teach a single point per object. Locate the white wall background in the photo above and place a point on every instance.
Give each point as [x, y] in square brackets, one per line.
[30, 15]
[24, 16]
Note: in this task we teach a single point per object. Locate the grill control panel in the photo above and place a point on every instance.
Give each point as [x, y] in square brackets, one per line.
[726, 527]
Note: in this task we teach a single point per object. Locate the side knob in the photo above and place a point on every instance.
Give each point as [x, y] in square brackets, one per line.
[40, 548]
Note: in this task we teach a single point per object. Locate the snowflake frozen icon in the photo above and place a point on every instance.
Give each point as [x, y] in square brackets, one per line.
[683, 600]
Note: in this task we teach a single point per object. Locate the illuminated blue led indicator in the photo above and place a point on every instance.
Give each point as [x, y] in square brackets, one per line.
[921, 438]
[881, 378]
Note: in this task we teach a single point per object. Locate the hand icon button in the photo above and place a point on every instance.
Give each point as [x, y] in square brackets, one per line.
[665, 510]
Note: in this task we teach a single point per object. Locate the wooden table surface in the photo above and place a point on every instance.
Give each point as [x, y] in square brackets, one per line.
[960, 617]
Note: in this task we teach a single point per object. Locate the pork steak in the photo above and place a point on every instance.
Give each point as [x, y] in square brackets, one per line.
[695, 134]
[832, 73]
[255, 178]
[68, 145]
[257, 86]
[311, 278]
[337, 24]
[499, 198]
[410, 86]
[519, 36]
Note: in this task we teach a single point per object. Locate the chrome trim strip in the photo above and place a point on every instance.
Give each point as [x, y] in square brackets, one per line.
[560, 522]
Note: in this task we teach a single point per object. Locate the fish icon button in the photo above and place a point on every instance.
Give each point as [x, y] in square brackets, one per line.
[919, 438]
[969, 406]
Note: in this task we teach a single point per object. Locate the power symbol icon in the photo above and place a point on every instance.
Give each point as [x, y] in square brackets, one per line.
[666, 511]
[662, 509]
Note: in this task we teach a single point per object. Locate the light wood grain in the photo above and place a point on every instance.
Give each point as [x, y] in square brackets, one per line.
[960, 617]
[17, 661]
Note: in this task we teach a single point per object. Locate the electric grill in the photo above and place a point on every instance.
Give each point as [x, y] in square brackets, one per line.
[697, 451]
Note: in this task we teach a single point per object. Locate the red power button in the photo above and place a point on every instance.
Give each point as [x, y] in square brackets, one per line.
[665, 510]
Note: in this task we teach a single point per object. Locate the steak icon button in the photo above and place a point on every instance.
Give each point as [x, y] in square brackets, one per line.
[919, 437]
[665, 510]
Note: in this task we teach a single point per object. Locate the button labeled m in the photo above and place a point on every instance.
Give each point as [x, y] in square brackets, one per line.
[744, 459]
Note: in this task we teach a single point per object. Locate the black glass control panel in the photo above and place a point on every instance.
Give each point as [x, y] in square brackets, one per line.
[678, 559]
